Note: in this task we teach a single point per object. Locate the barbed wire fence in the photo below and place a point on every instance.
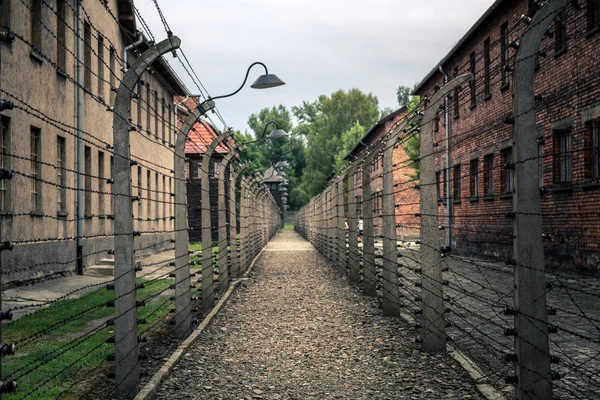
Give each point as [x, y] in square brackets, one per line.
[522, 324]
[120, 323]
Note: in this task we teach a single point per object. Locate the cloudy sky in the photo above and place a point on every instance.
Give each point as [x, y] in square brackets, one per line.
[315, 46]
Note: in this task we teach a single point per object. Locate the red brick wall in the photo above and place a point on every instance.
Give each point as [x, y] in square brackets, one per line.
[570, 86]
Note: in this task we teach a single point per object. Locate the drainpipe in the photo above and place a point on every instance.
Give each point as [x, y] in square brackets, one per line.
[447, 173]
[177, 108]
[135, 44]
[79, 117]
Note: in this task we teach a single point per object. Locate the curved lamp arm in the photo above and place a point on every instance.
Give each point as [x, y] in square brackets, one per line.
[244, 83]
[262, 136]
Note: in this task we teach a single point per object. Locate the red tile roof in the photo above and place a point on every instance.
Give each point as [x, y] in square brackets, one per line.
[202, 132]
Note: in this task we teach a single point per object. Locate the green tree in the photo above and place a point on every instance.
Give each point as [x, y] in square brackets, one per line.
[324, 123]
[349, 139]
[412, 146]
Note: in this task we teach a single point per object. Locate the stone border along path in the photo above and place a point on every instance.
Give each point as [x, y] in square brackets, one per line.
[297, 330]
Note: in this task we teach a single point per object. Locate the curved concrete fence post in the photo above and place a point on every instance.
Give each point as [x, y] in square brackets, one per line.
[223, 199]
[531, 321]
[233, 216]
[183, 319]
[391, 295]
[368, 237]
[127, 373]
[353, 256]
[208, 295]
[434, 324]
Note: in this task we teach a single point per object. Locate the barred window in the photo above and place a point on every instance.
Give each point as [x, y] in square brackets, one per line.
[593, 14]
[35, 24]
[473, 83]
[100, 66]
[101, 182]
[474, 178]
[87, 181]
[61, 29]
[506, 171]
[456, 182]
[35, 168]
[562, 156]
[60, 174]
[5, 162]
[87, 57]
[488, 175]
[487, 63]
[560, 31]
[504, 54]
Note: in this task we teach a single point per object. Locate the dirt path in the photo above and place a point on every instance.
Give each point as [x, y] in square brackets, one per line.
[296, 330]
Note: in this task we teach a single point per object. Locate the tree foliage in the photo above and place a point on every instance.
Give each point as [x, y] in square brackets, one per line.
[412, 146]
[325, 123]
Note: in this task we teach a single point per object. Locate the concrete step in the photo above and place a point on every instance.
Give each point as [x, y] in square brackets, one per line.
[100, 270]
[106, 261]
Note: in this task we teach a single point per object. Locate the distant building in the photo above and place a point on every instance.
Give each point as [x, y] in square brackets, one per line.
[406, 196]
[38, 137]
[273, 180]
[199, 138]
[568, 124]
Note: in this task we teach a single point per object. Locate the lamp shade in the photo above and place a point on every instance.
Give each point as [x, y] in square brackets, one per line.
[282, 164]
[267, 81]
[281, 173]
[278, 134]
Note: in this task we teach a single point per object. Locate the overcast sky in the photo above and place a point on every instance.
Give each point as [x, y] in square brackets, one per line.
[315, 46]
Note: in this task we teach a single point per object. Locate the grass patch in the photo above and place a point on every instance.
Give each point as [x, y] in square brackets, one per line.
[288, 227]
[58, 344]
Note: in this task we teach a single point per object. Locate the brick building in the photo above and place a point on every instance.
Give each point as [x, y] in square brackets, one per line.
[480, 180]
[38, 136]
[405, 196]
[199, 138]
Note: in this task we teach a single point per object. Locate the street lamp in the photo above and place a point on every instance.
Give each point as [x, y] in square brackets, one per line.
[265, 81]
[275, 134]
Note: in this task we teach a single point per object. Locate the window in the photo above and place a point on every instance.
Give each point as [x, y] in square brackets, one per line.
[169, 197]
[195, 169]
[139, 192]
[506, 172]
[456, 183]
[592, 151]
[504, 54]
[596, 149]
[139, 105]
[438, 179]
[474, 178]
[541, 162]
[358, 201]
[593, 14]
[61, 35]
[148, 111]
[170, 126]
[487, 62]
[563, 156]
[456, 92]
[163, 117]
[87, 57]
[87, 181]
[156, 197]
[60, 175]
[165, 197]
[488, 175]
[35, 24]
[560, 32]
[35, 169]
[445, 184]
[4, 162]
[472, 84]
[213, 168]
[100, 66]
[112, 186]
[436, 123]
[156, 117]
[112, 64]
[101, 182]
[4, 15]
[148, 194]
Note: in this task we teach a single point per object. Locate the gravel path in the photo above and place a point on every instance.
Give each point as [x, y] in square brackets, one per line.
[297, 330]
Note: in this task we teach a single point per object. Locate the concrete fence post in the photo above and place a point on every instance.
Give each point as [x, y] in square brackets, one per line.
[368, 237]
[126, 330]
[223, 201]
[432, 294]
[532, 348]
[341, 225]
[208, 296]
[353, 256]
[183, 320]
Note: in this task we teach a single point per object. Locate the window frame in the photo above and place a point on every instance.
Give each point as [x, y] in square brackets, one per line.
[456, 183]
[61, 35]
[507, 174]
[560, 33]
[488, 175]
[487, 66]
[5, 13]
[35, 168]
[474, 178]
[87, 181]
[101, 181]
[593, 16]
[473, 82]
[504, 55]
[87, 56]
[36, 23]
[563, 153]
[61, 162]
[5, 162]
